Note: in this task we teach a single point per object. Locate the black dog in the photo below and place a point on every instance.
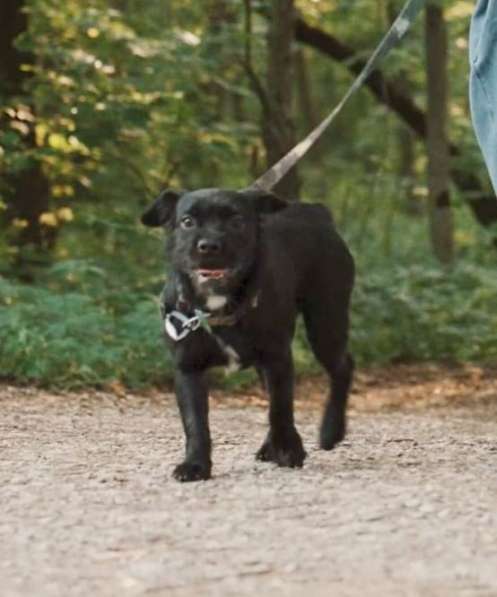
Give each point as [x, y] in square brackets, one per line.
[245, 264]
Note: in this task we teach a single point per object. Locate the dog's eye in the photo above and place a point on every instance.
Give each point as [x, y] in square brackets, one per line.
[237, 222]
[187, 222]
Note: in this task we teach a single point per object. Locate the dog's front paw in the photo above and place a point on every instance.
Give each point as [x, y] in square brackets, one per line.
[192, 471]
[284, 451]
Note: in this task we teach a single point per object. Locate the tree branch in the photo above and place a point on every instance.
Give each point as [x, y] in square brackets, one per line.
[387, 92]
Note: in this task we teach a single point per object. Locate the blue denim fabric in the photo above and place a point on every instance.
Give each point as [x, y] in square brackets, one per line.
[483, 81]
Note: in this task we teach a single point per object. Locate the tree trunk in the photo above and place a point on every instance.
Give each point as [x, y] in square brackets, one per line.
[405, 137]
[304, 92]
[27, 190]
[440, 213]
[407, 171]
[278, 128]
[220, 14]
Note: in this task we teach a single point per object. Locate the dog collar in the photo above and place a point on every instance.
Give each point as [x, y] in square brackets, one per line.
[179, 323]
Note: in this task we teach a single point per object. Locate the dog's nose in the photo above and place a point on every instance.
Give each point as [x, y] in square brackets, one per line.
[208, 246]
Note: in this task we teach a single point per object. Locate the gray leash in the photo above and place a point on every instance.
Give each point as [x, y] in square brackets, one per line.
[397, 31]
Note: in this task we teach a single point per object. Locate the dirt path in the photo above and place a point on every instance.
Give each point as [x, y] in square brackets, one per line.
[406, 506]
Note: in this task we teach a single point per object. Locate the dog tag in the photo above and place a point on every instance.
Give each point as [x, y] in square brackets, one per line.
[176, 325]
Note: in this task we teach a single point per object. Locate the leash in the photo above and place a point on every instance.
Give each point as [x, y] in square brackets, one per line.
[396, 32]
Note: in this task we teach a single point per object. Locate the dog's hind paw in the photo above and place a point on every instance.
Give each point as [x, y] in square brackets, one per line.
[331, 436]
[191, 471]
[288, 453]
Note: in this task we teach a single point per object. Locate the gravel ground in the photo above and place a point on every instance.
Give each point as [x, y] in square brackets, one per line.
[406, 506]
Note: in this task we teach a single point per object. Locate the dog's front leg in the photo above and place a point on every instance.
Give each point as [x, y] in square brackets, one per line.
[193, 402]
[283, 444]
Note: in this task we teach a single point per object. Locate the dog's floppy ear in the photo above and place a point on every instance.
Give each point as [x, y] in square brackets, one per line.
[265, 202]
[162, 209]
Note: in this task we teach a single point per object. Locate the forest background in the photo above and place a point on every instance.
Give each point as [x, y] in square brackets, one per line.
[104, 102]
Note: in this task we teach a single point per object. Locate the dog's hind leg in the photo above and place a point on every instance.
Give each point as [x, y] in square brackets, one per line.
[327, 330]
[333, 425]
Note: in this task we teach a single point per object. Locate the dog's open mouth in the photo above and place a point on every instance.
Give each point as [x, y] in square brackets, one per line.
[211, 274]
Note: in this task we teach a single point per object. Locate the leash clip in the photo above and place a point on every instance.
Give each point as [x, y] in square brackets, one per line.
[177, 325]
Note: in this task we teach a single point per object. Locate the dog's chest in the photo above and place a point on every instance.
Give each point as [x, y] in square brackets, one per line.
[230, 344]
[214, 302]
[235, 346]
[234, 363]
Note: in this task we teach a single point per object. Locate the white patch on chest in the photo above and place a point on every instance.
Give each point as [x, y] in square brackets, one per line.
[216, 302]
[233, 359]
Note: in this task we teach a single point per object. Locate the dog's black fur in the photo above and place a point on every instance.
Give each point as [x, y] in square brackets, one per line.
[277, 259]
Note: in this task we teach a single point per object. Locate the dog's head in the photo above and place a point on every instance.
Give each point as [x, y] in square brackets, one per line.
[214, 232]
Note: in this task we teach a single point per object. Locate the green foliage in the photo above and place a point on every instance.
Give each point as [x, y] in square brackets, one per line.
[88, 322]
[129, 96]
[71, 339]
[421, 313]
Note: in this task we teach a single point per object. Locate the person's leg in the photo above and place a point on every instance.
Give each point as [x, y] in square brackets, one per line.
[483, 81]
